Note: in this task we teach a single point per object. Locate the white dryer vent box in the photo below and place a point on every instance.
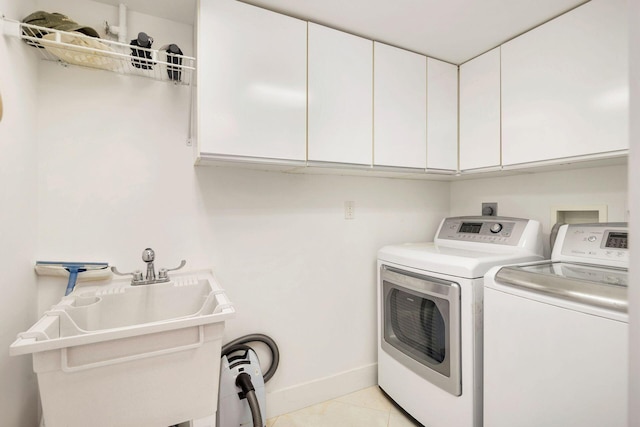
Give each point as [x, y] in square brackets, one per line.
[579, 214]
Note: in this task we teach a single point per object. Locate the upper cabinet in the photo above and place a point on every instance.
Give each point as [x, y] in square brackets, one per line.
[340, 91]
[399, 108]
[442, 115]
[252, 82]
[275, 89]
[565, 86]
[480, 111]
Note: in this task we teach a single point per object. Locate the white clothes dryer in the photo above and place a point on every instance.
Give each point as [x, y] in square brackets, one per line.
[430, 314]
[556, 334]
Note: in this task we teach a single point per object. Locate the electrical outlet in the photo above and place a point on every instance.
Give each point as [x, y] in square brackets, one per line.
[489, 209]
[349, 210]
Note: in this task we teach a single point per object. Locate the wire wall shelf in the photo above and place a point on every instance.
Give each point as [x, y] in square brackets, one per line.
[75, 48]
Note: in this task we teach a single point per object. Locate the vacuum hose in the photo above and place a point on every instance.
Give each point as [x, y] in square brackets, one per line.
[243, 380]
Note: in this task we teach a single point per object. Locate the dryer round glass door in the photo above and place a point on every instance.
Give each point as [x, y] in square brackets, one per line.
[421, 325]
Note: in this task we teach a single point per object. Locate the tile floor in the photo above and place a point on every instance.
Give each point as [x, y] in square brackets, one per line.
[364, 408]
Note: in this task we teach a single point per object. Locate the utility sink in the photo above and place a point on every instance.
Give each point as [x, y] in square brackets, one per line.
[107, 342]
[104, 312]
[139, 305]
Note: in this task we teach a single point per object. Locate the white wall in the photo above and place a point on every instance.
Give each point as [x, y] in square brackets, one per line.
[18, 390]
[535, 195]
[115, 176]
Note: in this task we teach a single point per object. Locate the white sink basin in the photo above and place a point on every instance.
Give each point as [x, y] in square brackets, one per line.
[136, 305]
[117, 310]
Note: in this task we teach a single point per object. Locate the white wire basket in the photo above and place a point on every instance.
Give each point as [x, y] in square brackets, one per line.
[75, 48]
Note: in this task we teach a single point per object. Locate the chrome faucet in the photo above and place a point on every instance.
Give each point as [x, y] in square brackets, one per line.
[149, 256]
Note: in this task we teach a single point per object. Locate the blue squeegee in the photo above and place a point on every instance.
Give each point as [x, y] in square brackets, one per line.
[56, 268]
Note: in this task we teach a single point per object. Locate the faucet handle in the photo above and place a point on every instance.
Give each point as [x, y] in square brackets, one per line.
[137, 274]
[117, 273]
[162, 273]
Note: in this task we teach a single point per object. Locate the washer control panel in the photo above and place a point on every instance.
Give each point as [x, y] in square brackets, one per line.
[605, 243]
[493, 230]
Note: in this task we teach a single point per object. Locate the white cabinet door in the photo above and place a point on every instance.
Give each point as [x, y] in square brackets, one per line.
[251, 82]
[400, 107]
[442, 115]
[480, 111]
[340, 94]
[565, 86]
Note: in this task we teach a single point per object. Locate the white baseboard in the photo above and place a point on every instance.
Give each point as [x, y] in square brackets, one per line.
[302, 395]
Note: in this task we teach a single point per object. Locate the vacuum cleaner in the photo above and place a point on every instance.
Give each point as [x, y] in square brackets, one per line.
[241, 399]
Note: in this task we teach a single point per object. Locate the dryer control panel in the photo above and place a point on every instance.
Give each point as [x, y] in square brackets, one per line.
[493, 230]
[604, 243]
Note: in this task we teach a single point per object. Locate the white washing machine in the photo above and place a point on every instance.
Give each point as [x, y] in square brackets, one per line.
[556, 332]
[430, 314]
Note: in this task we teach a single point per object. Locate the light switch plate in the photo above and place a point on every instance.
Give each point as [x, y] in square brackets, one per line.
[349, 210]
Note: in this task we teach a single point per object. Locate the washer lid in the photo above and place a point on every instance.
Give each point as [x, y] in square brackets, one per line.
[457, 262]
[588, 284]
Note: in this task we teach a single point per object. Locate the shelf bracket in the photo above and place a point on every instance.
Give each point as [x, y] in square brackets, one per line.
[9, 28]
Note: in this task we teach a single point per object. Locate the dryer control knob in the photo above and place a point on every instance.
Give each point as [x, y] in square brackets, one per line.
[496, 228]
